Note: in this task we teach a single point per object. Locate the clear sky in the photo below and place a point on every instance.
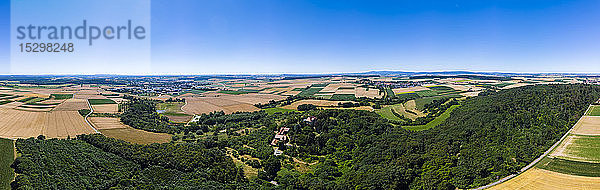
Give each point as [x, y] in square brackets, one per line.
[293, 36]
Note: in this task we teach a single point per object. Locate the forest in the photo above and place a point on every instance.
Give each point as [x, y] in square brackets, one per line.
[487, 138]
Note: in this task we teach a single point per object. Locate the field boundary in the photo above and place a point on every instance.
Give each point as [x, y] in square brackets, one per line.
[86, 116]
[537, 159]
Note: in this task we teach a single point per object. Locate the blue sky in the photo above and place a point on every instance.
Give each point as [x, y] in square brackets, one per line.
[292, 36]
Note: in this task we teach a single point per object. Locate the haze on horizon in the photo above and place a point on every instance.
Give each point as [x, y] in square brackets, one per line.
[268, 36]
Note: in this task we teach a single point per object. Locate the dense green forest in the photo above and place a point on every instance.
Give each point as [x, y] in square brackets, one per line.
[486, 138]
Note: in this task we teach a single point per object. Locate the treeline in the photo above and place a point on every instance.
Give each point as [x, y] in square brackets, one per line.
[140, 113]
[98, 162]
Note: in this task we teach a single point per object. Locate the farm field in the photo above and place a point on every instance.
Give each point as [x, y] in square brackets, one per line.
[227, 103]
[7, 155]
[543, 179]
[61, 96]
[589, 125]
[112, 127]
[388, 112]
[579, 148]
[272, 111]
[101, 101]
[594, 111]
[106, 108]
[72, 105]
[54, 124]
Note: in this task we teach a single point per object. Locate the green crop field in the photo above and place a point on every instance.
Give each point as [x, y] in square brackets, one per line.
[594, 111]
[101, 101]
[62, 96]
[343, 97]
[570, 167]
[6, 158]
[584, 148]
[426, 93]
[310, 92]
[320, 85]
[435, 122]
[272, 111]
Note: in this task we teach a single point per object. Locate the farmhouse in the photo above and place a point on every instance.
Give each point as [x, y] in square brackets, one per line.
[280, 135]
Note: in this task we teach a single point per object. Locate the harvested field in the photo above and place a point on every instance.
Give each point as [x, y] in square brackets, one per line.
[33, 109]
[197, 106]
[254, 98]
[106, 108]
[322, 103]
[210, 104]
[137, 136]
[368, 92]
[107, 123]
[543, 179]
[588, 125]
[11, 105]
[410, 89]
[72, 105]
[55, 124]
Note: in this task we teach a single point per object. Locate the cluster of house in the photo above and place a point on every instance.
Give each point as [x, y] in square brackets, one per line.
[282, 136]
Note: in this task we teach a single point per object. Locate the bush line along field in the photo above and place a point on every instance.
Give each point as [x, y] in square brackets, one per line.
[342, 149]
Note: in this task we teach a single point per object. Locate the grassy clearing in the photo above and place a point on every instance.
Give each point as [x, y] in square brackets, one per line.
[272, 111]
[570, 167]
[101, 101]
[387, 113]
[594, 111]
[434, 122]
[171, 107]
[6, 158]
[62, 96]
